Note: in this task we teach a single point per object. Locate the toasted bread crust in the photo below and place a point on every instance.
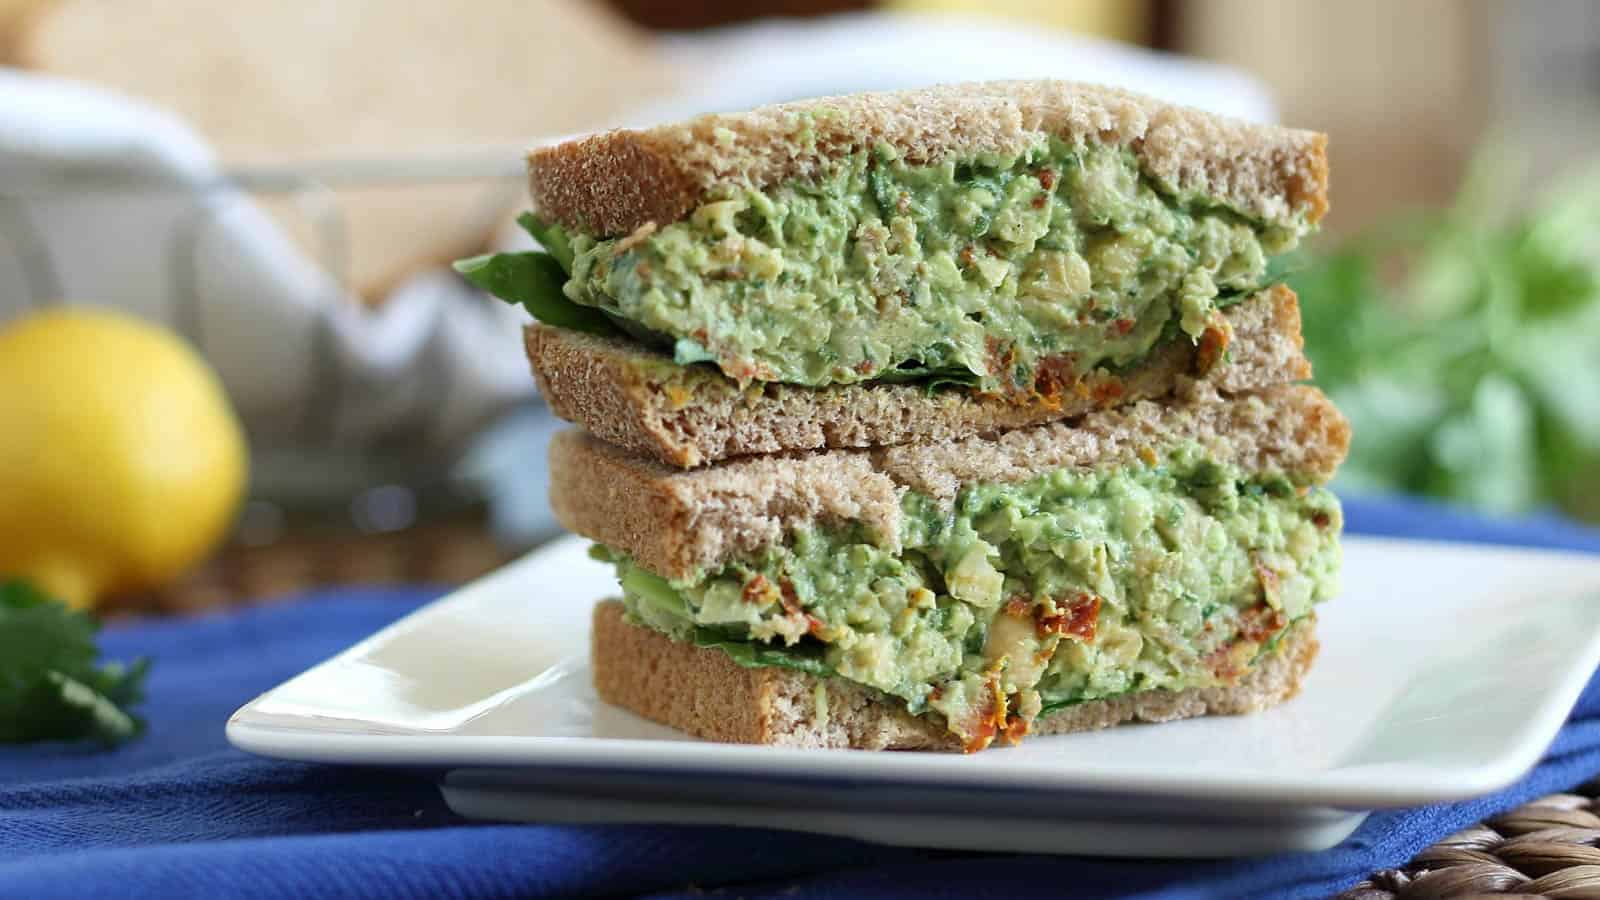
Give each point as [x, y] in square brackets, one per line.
[705, 693]
[677, 523]
[610, 184]
[687, 416]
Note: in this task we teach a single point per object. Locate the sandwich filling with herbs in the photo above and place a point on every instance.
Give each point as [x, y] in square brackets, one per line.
[1014, 600]
[1013, 275]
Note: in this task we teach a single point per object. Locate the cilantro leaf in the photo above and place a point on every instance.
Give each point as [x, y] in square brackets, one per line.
[1464, 345]
[533, 279]
[51, 685]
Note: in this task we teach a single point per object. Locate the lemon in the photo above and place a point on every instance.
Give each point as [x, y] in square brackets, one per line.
[121, 463]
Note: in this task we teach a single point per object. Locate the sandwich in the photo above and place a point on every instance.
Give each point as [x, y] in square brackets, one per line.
[1020, 250]
[923, 420]
[1148, 562]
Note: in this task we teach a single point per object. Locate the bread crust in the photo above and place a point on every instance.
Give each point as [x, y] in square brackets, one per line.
[612, 183]
[637, 398]
[678, 523]
[705, 693]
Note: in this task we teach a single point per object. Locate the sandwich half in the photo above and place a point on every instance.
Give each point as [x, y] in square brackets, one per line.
[1149, 562]
[1025, 243]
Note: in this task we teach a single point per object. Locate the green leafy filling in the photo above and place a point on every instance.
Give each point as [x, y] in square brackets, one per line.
[992, 266]
[1267, 649]
[655, 600]
[533, 279]
[1172, 553]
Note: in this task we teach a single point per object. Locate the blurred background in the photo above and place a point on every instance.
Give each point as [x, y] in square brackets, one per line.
[282, 183]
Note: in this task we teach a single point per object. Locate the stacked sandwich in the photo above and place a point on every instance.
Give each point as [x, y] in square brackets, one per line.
[926, 419]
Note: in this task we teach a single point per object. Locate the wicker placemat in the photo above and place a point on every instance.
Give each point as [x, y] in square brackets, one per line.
[1548, 848]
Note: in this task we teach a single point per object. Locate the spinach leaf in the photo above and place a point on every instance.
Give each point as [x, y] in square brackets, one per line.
[533, 279]
[755, 655]
[646, 336]
[687, 352]
[551, 237]
[930, 377]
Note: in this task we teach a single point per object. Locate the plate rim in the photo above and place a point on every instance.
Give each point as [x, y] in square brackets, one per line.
[1394, 785]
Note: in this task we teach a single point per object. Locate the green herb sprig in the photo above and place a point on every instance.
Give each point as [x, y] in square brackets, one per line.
[1464, 345]
[52, 685]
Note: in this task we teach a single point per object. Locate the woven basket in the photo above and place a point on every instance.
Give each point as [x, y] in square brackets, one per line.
[1547, 848]
[441, 553]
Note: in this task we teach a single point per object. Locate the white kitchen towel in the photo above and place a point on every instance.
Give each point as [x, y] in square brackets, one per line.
[106, 201]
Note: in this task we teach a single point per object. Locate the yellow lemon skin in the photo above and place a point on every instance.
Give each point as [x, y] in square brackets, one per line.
[121, 462]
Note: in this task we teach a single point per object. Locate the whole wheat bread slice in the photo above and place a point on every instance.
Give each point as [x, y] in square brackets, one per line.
[686, 416]
[705, 693]
[677, 523]
[613, 183]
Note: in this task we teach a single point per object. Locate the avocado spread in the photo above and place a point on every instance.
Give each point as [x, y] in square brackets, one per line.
[1011, 274]
[1018, 599]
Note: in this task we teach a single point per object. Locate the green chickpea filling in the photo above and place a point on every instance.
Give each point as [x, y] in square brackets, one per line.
[1012, 275]
[1019, 599]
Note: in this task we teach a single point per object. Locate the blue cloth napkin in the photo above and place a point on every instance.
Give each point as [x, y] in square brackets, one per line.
[179, 814]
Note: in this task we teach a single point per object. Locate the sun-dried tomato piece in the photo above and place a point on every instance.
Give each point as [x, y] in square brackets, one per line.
[791, 599]
[1271, 586]
[1076, 618]
[1224, 662]
[988, 720]
[1259, 623]
[1054, 375]
[1108, 392]
[1016, 729]
[1213, 346]
[757, 590]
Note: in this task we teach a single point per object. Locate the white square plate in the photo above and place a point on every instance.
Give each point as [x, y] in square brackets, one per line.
[1446, 670]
